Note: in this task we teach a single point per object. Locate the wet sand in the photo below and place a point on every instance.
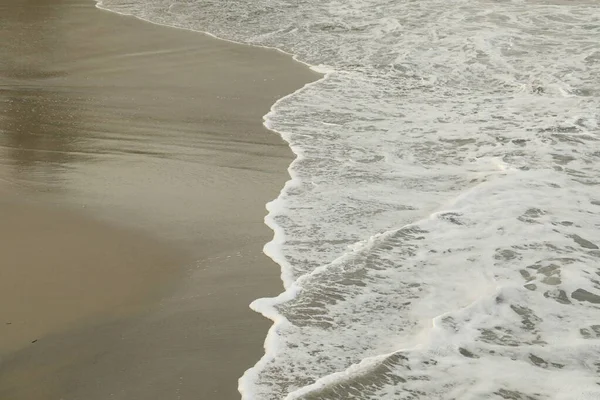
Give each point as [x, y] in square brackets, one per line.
[61, 269]
[134, 170]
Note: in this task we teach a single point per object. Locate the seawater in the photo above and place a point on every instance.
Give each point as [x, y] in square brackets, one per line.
[439, 238]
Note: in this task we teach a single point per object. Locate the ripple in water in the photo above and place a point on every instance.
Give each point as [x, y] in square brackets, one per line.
[439, 237]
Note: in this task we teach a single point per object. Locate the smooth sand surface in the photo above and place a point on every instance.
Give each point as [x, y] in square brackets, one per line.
[129, 151]
[61, 269]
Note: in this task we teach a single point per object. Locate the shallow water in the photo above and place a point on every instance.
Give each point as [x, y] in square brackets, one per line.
[439, 237]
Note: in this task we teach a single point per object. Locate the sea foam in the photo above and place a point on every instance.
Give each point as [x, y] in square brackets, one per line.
[438, 238]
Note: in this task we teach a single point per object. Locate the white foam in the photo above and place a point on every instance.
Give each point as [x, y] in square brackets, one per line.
[438, 237]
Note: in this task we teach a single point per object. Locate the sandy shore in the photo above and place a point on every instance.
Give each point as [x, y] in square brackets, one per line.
[134, 170]
[61, 269]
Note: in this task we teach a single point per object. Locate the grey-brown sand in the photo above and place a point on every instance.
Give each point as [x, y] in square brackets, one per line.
[60, 269]
[128, 151]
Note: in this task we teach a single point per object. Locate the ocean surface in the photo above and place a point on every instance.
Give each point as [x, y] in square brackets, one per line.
[439, 238]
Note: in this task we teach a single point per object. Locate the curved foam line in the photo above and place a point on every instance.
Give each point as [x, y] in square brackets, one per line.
[267, 310]
[372, 362]
[320, 69]
[266, 306]
[278, 233]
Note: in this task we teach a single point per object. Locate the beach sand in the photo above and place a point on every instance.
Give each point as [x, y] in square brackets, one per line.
[134, 170]
[61, 268]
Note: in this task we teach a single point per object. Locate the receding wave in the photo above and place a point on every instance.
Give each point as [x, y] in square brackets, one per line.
[440, 235]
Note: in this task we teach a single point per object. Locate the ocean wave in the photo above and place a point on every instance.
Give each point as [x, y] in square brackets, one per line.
[439, 236]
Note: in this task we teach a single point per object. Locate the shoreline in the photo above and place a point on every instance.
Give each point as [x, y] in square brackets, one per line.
[155, 132]
[314, 68]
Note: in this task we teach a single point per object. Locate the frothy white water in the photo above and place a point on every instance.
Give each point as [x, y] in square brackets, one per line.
[439, 237]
